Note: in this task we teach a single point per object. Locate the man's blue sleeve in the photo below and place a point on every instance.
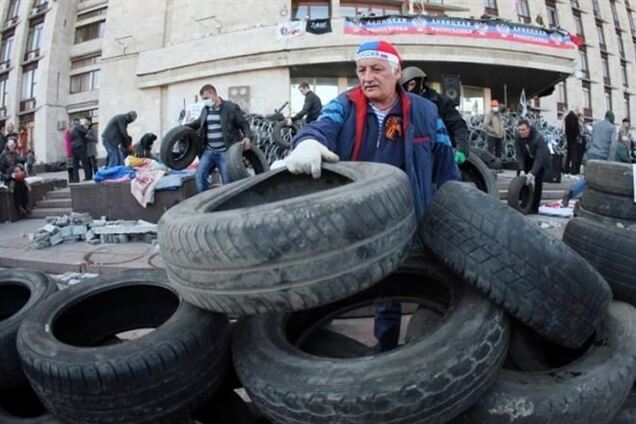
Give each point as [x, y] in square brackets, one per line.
[326, 128]
[444, 168]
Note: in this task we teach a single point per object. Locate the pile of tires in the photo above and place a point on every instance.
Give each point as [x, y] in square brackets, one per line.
[506, 324]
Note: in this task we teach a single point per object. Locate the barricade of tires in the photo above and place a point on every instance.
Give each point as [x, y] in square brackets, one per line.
[509, 325]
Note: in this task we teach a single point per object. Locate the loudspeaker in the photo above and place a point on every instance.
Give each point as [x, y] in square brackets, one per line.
[452, 88]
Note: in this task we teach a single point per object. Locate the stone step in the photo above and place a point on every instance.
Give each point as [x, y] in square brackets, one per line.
[44, 212]
[54, 203]
[64, 193]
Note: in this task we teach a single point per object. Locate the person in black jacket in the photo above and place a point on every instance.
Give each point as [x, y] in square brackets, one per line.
[311, 107]
[220, 125]
[414, 80]
[143, 149]
[78, 142]
[115, 135]
[533, 158]
[573, 137]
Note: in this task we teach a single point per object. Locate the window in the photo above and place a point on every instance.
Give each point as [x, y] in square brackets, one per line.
[625, 75]
[6, 48]
[596, 8]
[325, 88]
[606, 72]
[29, 81]
[85, 61]
[628, 109]
[578, 24]
[473, 100]
[311, 9]
[553, 17]
[4, 92]
[601, 36]
[89, 32]
[621, 45]
[617, 21]
[523, 11]
[91, 14]
[562, 98]
[583, 62]
[587, 99]
[490, 7]
[86, 81]
[93, 113]
[363, 9]
[34, 37]
[14, 9]
[608, 98]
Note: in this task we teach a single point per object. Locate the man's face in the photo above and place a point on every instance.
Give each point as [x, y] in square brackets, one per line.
[377, 78]
[303, 90]
[626, 125]
[524, 131]
[411, 86]
[11, 145]
[209, 95]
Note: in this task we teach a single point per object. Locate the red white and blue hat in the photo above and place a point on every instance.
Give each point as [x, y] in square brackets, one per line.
[378, 50]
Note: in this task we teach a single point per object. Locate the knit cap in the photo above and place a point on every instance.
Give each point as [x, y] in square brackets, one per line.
[378, 49]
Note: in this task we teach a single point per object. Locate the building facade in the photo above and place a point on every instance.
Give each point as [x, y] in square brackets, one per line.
[71, 58]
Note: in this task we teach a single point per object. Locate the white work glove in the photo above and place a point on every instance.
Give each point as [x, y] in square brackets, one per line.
[530, 179]
[307, 157]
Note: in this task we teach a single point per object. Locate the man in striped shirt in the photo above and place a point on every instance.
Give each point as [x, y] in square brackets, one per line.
[221, 124]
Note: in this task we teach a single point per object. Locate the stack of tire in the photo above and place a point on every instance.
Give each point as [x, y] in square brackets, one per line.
[516, 326]
[604, 233]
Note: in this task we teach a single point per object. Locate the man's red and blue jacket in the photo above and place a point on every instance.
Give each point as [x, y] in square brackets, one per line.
[420, 146]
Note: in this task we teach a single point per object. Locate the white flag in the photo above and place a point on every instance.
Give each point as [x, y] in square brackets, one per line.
[288, 30]
[523, 103]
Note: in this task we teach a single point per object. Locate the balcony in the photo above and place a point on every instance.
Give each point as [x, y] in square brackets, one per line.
[4, 66]
[27, 105]
[32, 56]
[3, 112]
[38, 10]
[10, 23]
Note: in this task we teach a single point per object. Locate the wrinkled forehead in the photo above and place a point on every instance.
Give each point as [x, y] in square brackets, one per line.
[372, 62]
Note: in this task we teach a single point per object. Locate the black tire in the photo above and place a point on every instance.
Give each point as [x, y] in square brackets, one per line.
[627, 414]
[188, 149]
[431, 379]
[280, 138]
[612, 205]
[157, 378]
[20, 405]
[237, 158]
[620, 223]
[475, 170]
[332, 344]
[279, 242]
[591, 389]
[610, 177]
[487, 158]
[21, 290]
[520, 195]
[610, 250]
[535, 278]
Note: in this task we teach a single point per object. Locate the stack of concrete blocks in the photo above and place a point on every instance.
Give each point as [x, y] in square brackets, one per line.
[80, 226]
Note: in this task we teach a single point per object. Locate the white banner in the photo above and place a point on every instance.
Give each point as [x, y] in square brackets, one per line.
[291, 29]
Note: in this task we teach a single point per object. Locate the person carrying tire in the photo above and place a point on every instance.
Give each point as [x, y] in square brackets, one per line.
[311, 107]
[414, 80]
[378, 121]
[220, 125]
[115, 137]
[533, 158]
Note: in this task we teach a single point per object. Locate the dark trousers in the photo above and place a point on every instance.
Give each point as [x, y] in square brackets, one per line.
[495, 146]
[79, 155]
[572, 163]
[92, 161]
[538, 191]
[386, 326]
[20, 195]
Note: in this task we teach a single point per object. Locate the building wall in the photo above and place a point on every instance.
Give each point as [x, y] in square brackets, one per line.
[156, 54]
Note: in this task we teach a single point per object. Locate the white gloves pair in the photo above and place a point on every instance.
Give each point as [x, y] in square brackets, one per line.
[529, 177]
[306, 158]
